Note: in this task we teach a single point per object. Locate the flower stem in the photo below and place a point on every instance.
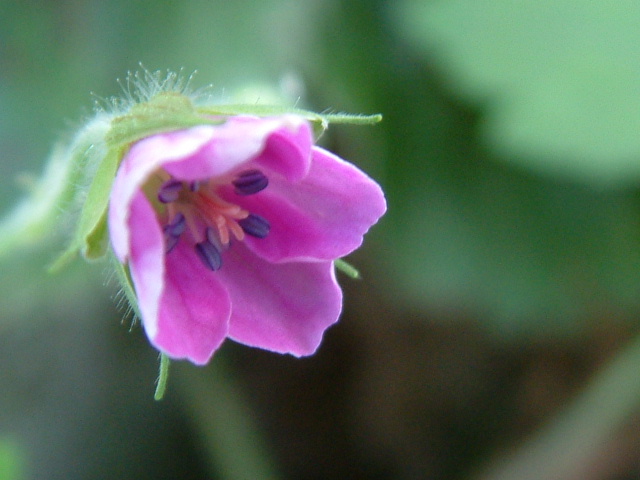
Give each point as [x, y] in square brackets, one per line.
[228, 428]
[566, 447]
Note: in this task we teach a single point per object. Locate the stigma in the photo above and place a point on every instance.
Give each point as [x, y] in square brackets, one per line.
[194, 212]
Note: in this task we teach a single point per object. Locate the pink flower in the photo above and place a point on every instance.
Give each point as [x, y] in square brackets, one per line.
[231, 231]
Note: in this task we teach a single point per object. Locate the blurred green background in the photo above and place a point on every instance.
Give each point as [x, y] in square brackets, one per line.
[494, 332]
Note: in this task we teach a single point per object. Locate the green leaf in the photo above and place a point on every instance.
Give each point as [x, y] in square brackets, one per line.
[558, 79]
[525, 254]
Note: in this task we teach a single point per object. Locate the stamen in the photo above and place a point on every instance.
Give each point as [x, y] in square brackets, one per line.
[170, 242]
[209, 255]
[255, 225]
[169, 191]
[190, 204]
[217, 206]
[213, 239]
[250, 182]
[176, 226]
[172, 232]
[236, 230]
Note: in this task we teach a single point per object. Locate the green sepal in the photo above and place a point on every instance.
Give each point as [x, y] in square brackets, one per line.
[320, 121]
[165, 112]
[123, 276]
[97, 240]
[124, 280]
[348, 269]
[163, 377]
[91, 233]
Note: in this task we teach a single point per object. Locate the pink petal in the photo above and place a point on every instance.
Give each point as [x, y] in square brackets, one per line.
[285, 141]
[282, 145]
[280, 307]
[194, 308]
[144, 158]
[288, 151]
[322, 217]
[184, 308]
[146, 260]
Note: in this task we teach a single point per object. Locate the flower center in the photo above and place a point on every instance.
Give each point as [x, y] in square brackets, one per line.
[195, 208]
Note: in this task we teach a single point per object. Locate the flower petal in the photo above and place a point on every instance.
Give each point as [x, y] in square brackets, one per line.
[146, 260]
[144, 158]
[280, 307]
[288, 151]
[194, 308]
[185, 309]
[281, 143]
[322, 217]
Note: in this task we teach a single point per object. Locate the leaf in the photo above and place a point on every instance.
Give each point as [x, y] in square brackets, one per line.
[558, 80]
[471, 236]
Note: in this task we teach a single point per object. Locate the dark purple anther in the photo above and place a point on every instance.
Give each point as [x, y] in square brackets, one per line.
[169, 191]
[170, 242]
[176, 226]
[255, 225]
[209, 255]
[194, 186]
[173, 230]
[250, 182]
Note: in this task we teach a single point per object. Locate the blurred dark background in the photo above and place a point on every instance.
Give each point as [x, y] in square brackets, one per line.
[494, 332]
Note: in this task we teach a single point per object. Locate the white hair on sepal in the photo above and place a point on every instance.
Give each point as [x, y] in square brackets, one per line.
[83, 154]
[120, 298]
[142, 85]
[87, 148]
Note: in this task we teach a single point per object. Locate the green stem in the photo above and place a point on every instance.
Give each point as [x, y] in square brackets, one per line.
[565, 447]
[227, 426]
